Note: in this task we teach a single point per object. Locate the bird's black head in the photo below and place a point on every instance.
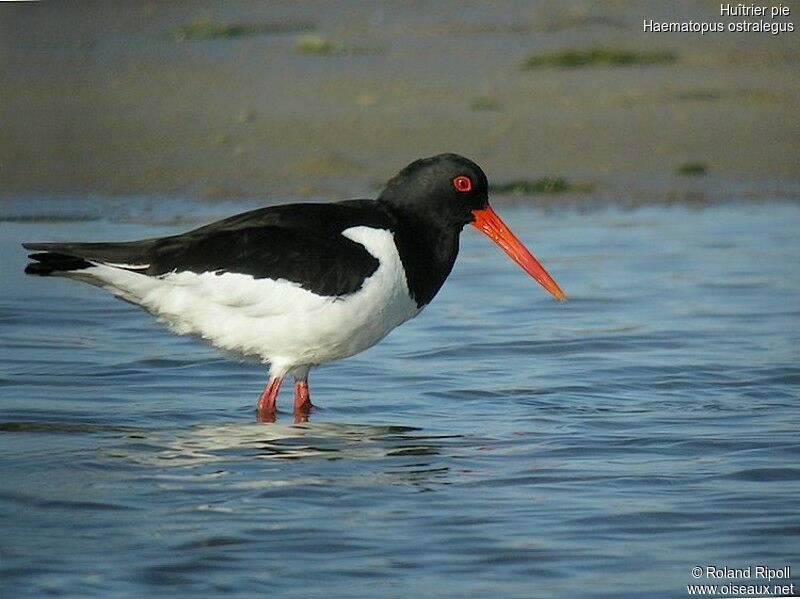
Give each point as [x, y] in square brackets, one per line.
[445, 188]
[441, 194]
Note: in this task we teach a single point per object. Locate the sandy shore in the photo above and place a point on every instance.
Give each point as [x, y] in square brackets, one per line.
[100, 97]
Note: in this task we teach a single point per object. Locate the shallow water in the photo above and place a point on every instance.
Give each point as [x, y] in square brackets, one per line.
[499, 445]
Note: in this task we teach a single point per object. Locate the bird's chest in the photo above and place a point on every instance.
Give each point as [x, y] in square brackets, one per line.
[383, 301]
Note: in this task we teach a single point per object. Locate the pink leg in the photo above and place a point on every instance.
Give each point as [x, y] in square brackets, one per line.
[302, 401]
[265, 409]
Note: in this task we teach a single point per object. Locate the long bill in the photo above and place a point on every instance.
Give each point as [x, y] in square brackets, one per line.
[487, 221]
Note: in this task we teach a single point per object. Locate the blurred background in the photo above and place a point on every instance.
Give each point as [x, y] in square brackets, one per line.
[251, 98]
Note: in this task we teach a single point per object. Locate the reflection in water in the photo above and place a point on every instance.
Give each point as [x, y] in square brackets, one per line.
[235, 440]
[221, 454]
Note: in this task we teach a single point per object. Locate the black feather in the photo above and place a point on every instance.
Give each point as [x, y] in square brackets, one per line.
[50, 262]
[303, 243]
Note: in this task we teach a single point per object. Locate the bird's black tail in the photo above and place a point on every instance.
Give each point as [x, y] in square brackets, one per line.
[58, 258]
[47, 263]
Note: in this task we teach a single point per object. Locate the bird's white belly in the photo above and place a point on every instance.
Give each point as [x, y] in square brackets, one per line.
[277, 320]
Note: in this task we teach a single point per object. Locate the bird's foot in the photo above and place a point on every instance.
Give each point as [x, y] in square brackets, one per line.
[265, 409]
[302, 402]
[265, 416]
[301, 413]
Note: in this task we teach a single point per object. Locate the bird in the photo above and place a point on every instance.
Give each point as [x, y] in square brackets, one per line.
[302, 284]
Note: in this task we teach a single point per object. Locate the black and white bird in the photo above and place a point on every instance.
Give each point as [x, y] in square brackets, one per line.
[299, 285]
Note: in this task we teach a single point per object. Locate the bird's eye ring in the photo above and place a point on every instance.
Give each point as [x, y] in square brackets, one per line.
[462, 183]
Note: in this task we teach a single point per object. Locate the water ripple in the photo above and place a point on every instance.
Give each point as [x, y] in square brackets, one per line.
[499, 445]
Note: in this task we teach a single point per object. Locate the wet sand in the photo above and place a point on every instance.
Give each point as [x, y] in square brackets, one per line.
[100, 97]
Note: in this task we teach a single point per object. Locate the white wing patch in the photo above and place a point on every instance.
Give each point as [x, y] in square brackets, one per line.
[123, 265]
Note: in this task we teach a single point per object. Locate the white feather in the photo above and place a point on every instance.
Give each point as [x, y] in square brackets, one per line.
[276, 320]
[124, 265]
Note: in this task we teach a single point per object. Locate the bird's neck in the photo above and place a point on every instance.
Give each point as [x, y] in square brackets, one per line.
[428, 251]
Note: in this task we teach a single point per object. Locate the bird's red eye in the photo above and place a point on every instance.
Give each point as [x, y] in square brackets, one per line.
[462, 183]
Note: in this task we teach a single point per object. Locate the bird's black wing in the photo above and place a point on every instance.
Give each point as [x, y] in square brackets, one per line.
[302, 243]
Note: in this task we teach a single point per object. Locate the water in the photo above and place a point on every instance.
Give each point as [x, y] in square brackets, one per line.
[499, 445]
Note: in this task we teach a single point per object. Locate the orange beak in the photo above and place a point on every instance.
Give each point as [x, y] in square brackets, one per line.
[489, 223]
